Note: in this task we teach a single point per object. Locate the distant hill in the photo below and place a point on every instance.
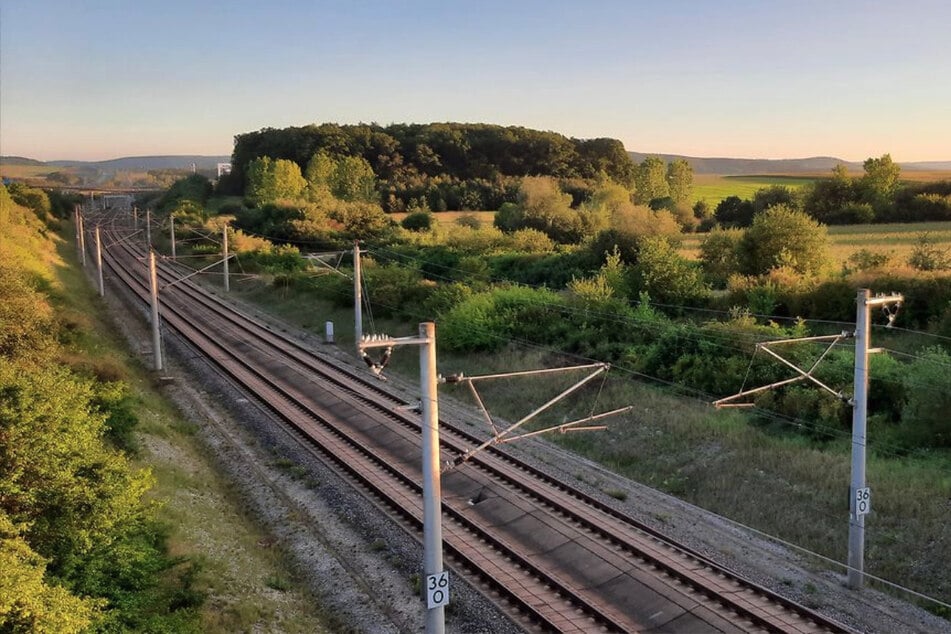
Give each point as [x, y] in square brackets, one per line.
[739, 166]
[146, 163]
[811, 165]
[19, 160]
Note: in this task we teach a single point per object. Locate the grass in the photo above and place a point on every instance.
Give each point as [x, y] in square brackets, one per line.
[17, 172]
[778, 483]
[713, 188]
[238, 569]
[450, 217]
[895, 240]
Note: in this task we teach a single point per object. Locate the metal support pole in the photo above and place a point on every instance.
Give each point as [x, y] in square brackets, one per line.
[148, 228]
[357, 296]
[153, 288]
[79, 250]
[102, 287]
[859, 412]
[135, 218]
[171, 221]
[860, 498]
[432, 491]
[224, 257]
[82, 239]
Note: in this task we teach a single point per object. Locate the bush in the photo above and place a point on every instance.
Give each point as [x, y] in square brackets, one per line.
[531, 241]
[924, 418]
[668, 277]
[927, 256]
[864, 260]
[852, 214]
[781, 236]
[719, 255]
[418, 221]
[469, 220]
[487, 320]
[395, 290]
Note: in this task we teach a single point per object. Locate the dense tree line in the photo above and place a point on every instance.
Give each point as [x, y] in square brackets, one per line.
[447, 165]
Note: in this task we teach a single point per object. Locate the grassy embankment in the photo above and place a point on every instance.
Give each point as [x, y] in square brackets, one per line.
[778, 483]
[244, 577]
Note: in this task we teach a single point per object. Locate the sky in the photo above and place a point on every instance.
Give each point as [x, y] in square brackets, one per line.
[102, 79]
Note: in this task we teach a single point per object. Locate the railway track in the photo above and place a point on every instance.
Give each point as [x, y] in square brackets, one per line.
[553, 557]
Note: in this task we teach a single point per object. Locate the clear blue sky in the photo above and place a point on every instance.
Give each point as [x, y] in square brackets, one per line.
[98, 79]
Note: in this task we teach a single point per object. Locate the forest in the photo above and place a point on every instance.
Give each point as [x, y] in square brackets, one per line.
[447, 166]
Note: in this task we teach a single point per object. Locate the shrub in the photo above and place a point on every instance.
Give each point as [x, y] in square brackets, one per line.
[668, 277]
[395, 290]
[852, 214]
[418, 221]
[927, 256]
[531, 241]
[486, 320]
[719, 255]
[469, 220]
[781, 236]
[864, 260]
[924, 418]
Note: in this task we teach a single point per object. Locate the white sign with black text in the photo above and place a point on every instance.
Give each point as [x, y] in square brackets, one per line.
[437, 590]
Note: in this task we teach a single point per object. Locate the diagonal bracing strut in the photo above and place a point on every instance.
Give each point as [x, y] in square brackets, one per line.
[804, 375]
[505, 435]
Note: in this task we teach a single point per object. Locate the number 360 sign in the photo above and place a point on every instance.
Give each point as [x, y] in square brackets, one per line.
[437, 590]
[863, 501]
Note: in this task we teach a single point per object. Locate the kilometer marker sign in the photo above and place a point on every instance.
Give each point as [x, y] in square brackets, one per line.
[437, 590]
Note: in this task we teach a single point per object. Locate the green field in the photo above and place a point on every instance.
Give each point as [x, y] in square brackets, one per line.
[713, 187]
[894, 240]
[17, 172]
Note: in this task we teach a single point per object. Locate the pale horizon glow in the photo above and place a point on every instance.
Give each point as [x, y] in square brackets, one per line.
[105, 79]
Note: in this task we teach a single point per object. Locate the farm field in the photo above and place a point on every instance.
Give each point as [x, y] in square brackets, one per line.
[894, 240]
[26, 171]
[450, 217]
[713, 188]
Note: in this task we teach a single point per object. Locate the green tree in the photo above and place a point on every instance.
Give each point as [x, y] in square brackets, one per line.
[628, 225]
[58, 478]
[353, 180]
[271, 180]
[650, 180]
[783, 237]
[666, 276]
[719, 255]
[508, 218]
[767, 197]
[733, 211]
[27, 602]
[544, 207]
[680, 180]
[881, 178]
[827, 199]
[361, 220]
[319, 174]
